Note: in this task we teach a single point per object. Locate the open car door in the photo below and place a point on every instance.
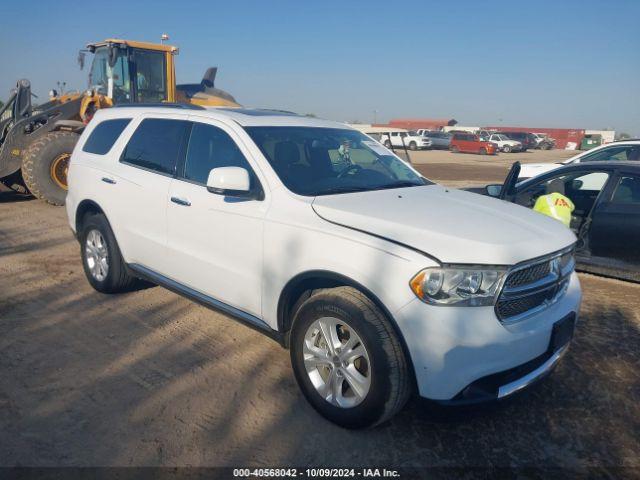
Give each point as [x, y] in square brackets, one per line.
[509, 185]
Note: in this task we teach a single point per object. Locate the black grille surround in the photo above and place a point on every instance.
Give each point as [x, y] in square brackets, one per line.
[534, 285]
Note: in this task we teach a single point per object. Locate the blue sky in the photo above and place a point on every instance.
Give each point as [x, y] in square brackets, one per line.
[544, 63]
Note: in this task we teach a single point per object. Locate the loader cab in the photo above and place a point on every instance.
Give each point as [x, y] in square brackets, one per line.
[133, 72]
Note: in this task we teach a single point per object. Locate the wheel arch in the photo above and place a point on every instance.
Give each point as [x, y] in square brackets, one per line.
[301, 286]
[85, 207]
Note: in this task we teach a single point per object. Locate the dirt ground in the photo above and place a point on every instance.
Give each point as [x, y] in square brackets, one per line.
[151, 379]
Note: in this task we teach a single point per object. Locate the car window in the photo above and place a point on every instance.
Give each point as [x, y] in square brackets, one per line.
[323, 161]
[210, 147]
[614, 153]
[572, 185]
[627, 190]
[155, 145]
[105, 135]
[150, 75]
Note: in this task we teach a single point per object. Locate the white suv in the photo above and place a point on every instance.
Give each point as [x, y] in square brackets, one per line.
[410, 140]
[380, 282]
[504, 143]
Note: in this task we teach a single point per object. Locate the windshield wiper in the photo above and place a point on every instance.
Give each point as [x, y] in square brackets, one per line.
[399, 185]
[344, 189]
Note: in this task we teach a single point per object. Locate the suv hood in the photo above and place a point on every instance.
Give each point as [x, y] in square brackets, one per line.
[451, 225]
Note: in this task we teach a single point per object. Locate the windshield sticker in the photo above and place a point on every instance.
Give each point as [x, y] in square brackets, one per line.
[376, 147]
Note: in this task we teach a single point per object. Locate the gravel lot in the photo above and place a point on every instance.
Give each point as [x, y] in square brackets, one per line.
[148, 378]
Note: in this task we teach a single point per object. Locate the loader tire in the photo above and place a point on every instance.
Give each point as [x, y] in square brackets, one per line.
[45, 165]
[15, 182]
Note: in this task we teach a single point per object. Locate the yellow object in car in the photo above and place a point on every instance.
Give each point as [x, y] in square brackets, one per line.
[555, 205]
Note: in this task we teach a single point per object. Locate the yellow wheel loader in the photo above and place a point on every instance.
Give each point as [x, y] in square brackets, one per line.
[36, 141]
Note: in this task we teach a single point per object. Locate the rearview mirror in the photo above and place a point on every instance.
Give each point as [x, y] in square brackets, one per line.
[493, 190]
[230, 181]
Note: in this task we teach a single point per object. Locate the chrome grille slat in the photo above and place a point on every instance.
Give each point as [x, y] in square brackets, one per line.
[532, 287]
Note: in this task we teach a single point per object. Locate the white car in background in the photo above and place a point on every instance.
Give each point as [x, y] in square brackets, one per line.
[626, 150]
[505, 144]
[410, 140]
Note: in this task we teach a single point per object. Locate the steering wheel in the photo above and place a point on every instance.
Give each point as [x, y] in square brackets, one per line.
[351, 168]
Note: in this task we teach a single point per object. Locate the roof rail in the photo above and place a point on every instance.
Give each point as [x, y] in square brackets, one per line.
[185, 106]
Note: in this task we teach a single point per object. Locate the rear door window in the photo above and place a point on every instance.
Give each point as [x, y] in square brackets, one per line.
[156, 145]
[614, 153]
[105, 135]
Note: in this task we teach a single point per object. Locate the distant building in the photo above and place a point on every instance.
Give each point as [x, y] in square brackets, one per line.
[417, 123]
[372, 129]
[608, 136]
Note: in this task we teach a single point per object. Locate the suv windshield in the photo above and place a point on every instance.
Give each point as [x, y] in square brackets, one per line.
[322, 161]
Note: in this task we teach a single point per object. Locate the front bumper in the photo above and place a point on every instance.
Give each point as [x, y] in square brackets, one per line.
[465, 354]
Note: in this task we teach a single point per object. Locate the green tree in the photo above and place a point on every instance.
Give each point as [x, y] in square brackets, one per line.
[622, 136]
[1, 104]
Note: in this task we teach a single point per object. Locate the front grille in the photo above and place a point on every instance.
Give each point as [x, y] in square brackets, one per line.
[529, 274]
[534, 286]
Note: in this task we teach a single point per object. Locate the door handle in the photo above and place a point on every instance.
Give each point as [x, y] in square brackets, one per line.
[108, 180]
[181, 201]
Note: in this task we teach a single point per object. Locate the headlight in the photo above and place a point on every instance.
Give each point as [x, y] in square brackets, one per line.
[458, 285]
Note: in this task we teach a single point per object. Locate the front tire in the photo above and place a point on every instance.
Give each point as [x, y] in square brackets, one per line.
[413, 146]
[347, 359]
[101, 258]
[506, 148]
[482, 151]
[45, 165]
[454, 149]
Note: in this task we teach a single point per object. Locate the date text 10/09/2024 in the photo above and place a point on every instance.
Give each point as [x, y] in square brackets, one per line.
[316, 472]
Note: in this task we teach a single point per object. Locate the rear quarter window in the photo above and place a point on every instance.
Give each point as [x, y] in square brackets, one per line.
[156, 145]
[105, 135]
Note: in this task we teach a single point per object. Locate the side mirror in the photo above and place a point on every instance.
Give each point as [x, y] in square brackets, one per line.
[230, 181]
[493, 190]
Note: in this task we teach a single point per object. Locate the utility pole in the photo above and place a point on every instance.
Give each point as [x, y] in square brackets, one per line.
[375, 117]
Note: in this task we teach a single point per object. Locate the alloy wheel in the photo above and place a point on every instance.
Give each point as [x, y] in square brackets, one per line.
[337, 362]
[97, 255]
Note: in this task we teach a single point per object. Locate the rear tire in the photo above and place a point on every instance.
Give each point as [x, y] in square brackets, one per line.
[45, 165]
[15, 182]
[387, 144]
[101, 258]
[381, 375]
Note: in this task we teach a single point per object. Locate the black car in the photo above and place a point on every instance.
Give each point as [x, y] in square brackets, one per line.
[606, 218]
[528, 140]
